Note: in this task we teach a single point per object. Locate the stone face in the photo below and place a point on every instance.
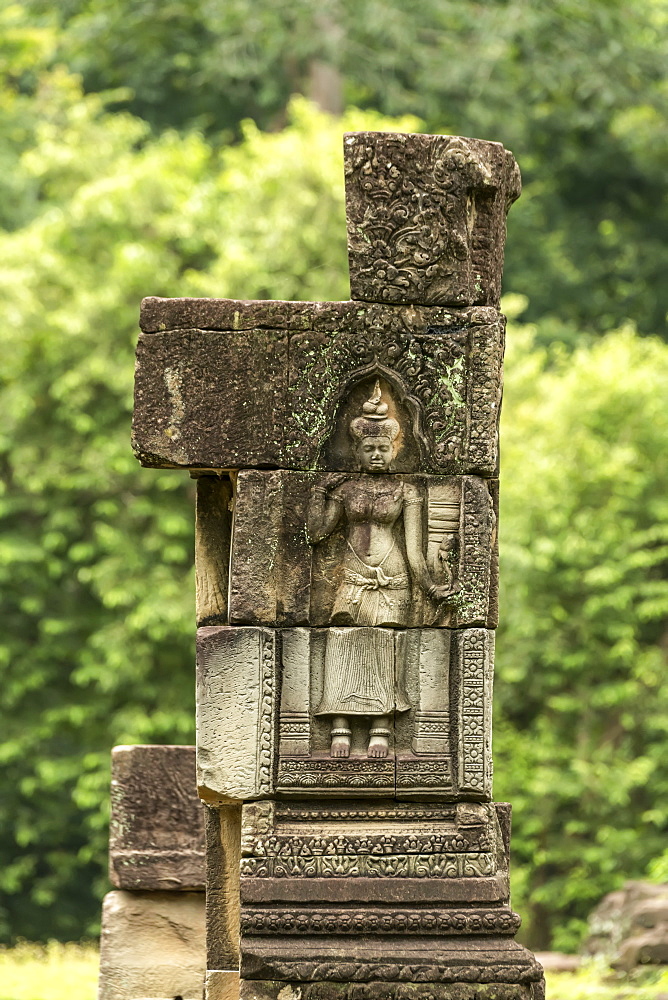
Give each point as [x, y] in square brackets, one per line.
[236, 700]
[156, 836]
[152, 945]
[250, 384]
[426, 217]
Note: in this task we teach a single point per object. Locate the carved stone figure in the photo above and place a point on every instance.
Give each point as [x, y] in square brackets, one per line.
[361, 677]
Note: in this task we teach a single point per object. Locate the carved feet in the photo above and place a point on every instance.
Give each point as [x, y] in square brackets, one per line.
[341, 735]
[379, 743]
[379, 737]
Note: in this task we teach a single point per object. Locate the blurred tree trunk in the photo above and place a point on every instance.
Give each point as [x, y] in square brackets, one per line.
[325, 83]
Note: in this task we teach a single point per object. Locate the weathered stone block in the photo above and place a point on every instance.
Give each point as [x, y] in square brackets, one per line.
[440, 732]
[210, 398]
[152, 945]
[271, 558]
[222, 984]
[417, 886]
[156, 835]
[223, 845]
[224, 384]
[438, 723]
[388, 891]
[399, 841]
[630, 926]
[426, 217]
[236, 698]
[400, 958]
[213, 530]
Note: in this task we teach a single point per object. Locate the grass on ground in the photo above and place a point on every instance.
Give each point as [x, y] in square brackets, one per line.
[69, 972]
[49, 972]
[595, 982]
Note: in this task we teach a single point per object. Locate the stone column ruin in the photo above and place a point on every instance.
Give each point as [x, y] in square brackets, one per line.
[346, 457]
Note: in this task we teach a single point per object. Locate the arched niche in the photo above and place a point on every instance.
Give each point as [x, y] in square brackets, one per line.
[412, 445]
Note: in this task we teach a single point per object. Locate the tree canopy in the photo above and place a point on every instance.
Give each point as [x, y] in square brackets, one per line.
[154, 149]
[576, 90]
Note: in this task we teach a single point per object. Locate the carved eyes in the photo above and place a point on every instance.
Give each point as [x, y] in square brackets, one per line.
[371, 448]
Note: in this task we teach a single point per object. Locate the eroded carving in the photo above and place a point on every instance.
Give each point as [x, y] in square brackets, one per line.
[361, 550]
[426, 217]
[361, 676]
[383, 990]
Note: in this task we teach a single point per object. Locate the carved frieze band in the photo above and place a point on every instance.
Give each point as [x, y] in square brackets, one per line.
[266, 728]
[475, 666]
[333, 775]
[378, 921]
[383, 990]
[424, 774]
[485, 365]
[371, 866]
[333, 843]
[394, 972]
[408, 812]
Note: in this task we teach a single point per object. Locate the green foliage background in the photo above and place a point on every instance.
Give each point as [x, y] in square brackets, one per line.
[152, 148]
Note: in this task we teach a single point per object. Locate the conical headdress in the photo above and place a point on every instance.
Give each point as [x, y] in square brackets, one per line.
[374, 421]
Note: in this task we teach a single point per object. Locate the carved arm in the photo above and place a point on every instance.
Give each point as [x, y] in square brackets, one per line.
[323, 516]
[416, 559]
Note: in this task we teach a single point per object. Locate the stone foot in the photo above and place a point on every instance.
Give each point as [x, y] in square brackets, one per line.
[340, 743]
[379, 743]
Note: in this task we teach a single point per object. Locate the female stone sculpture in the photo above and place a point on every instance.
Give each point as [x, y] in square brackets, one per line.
[359, 675]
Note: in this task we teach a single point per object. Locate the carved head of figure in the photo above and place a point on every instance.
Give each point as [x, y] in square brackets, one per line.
[374, 435]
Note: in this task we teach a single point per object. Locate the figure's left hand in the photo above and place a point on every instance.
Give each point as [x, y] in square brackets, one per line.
[442, 592]
[439, 593]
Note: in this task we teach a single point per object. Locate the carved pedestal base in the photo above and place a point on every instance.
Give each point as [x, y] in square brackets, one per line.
[392, 958]
[370, 900]
[271, 990]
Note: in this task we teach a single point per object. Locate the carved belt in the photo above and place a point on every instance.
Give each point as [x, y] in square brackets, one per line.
[379, 580]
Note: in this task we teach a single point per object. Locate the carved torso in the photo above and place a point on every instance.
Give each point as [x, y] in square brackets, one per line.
[373, 506]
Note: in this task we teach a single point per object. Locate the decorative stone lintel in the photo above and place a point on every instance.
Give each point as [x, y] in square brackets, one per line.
[227, 384]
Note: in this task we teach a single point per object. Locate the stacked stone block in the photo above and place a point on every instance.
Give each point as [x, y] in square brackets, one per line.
[346, 457]
[153, 922]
